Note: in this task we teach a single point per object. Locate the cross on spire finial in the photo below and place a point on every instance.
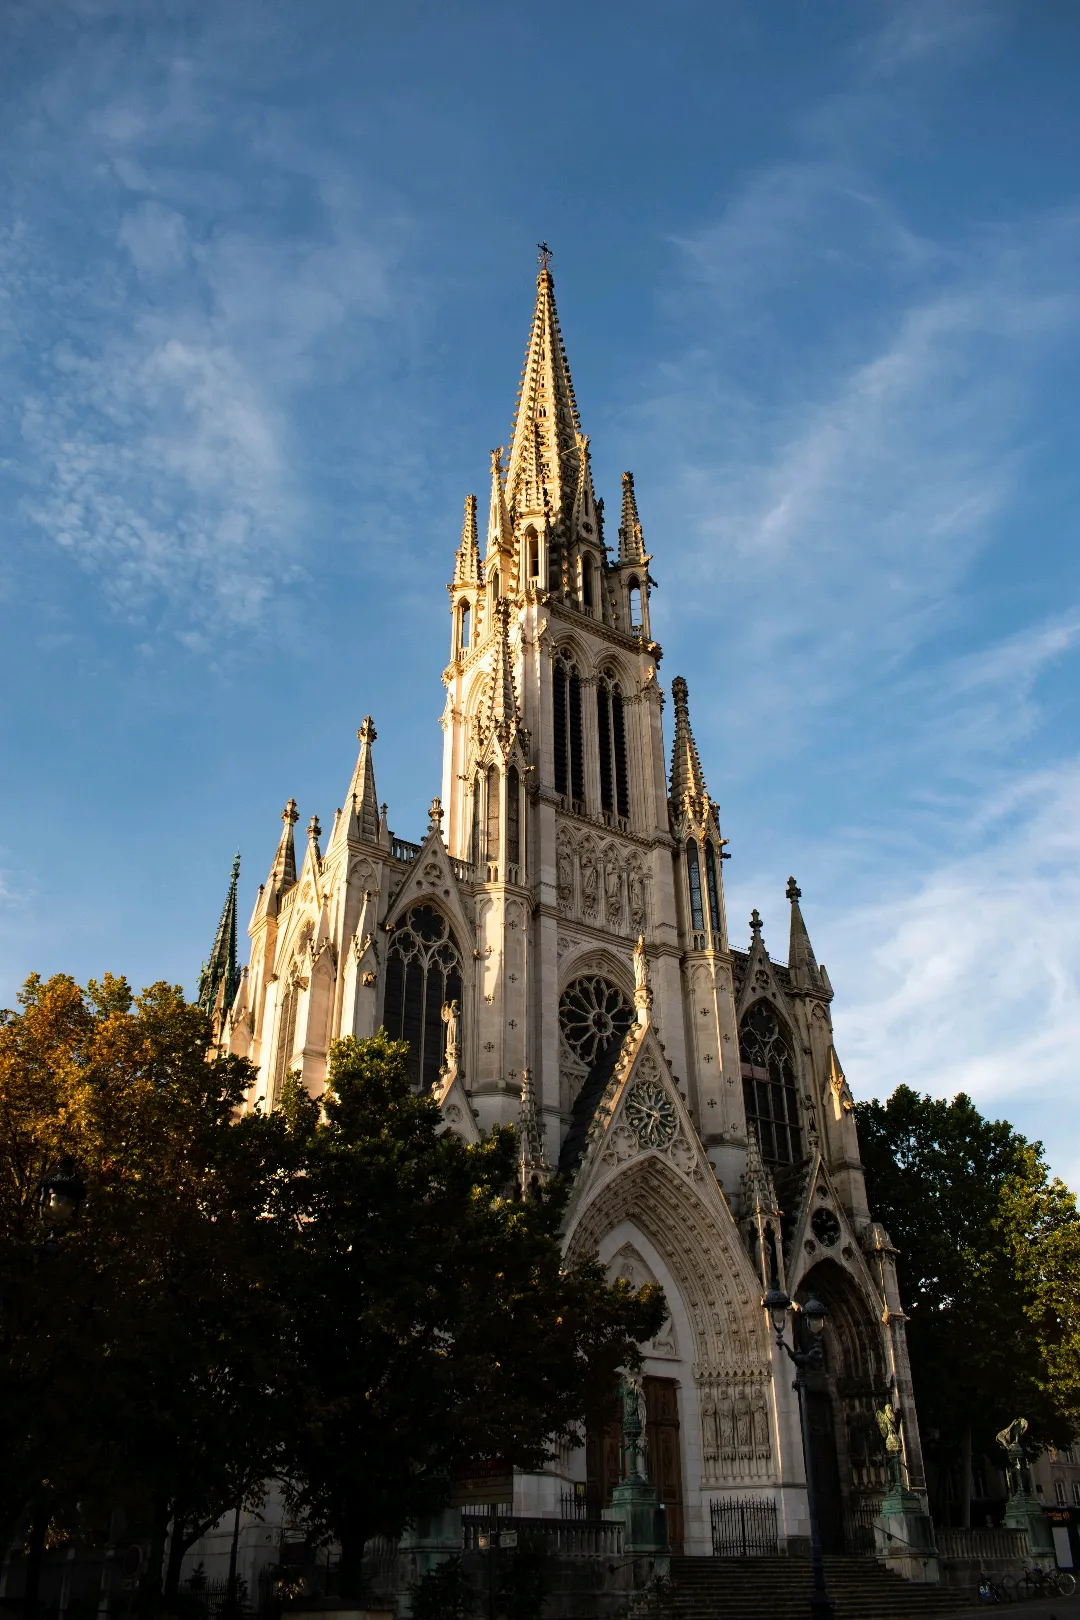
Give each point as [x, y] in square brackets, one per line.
[543, 258]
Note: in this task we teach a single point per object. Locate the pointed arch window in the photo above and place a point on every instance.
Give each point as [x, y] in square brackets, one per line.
[611, 735]
[693, 883]
[474, 835]
[423, 969]
[634, 598]
[513, 819]
[713, 886]
[494, 586]
[532, 547]
[587, 581]
[491, 842]
[567, 732]
[286, 1038]
[464, 627]
[770, 1093]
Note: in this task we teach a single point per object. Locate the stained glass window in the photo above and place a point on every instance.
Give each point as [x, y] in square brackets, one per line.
[423, 969]
[769, 1089]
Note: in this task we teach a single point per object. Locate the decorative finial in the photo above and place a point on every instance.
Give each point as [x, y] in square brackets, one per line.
[314, 830]
[367, 732]
[290, 814]
[680, 693]
[543, 258]
[793, 891]
[435, 816]
[755, 922]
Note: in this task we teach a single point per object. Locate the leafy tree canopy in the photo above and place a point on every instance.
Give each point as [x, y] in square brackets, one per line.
[989, 1267]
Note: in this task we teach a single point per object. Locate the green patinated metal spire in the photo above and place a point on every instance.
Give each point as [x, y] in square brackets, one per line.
[220, 977]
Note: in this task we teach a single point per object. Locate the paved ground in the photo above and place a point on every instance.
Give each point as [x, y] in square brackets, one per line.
[1038, 1609]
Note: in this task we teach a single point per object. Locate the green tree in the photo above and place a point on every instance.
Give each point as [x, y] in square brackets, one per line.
[988, 1271]
[434, 1318]
[135, 1364]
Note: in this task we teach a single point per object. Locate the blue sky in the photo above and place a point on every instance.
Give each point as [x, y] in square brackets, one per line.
[266, 271]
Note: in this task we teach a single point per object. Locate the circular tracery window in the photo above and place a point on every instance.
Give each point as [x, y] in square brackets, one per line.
[650, 1113]
[593, 1014]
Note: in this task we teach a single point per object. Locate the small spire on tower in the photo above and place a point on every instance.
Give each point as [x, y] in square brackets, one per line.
[631, 538]
[801, 960]
[220, 977]
[314, 832]
[687, 777]
[500, 533]
[532, 1161]
[283, 872]
[467, 556]
[362, 802]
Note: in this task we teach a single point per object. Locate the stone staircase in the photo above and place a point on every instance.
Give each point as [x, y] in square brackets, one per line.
[779, 1589]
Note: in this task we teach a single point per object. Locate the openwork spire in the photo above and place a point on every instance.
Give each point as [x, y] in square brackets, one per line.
[362, 803]
[283, 871]
[631, 538]
[220, 977]
[467, 557]
[687, 777]
[546, 444]
[801, 959]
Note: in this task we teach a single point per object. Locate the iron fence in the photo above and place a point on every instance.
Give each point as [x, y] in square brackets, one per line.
[744, 1527]
[859, 1521]
[565, 1538]
[211, 1597]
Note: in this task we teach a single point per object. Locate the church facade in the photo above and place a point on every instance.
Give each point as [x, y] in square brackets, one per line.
[556, 952]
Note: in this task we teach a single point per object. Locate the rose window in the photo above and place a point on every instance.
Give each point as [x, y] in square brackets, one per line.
[592, 1014]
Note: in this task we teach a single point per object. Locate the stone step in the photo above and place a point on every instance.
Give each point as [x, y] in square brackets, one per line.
[740, 1588]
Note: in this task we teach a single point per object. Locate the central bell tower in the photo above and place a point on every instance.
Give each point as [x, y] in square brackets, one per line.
[554, 780]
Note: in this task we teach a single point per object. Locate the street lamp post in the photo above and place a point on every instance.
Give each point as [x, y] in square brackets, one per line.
[778, 1305]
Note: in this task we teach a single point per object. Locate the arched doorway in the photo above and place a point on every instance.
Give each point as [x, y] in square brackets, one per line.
[846, 1455]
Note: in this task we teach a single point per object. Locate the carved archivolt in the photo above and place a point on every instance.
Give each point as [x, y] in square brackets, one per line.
[630, 1266]
[602, 883]
[731, 1354]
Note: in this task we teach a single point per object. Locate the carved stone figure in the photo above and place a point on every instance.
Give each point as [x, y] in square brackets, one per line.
[636, 888]
[590, 883]
[613, 895]
[565, 872]
[450, 1016]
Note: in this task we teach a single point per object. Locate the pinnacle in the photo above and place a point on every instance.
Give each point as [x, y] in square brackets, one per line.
[220, 977]
[283, 871]
[801, 960]
[631, 539]
[503, 712]
[687, 777]
[500, 534]
[363, 803]
[467, 558]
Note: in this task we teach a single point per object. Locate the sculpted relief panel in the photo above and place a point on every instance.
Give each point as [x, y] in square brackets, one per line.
[599, 882]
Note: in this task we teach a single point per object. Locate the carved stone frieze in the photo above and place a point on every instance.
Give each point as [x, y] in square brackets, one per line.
[602, 883]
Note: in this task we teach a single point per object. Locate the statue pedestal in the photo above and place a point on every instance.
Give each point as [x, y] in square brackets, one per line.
[1022, 1512]
[636, 1506]
[904, 1534]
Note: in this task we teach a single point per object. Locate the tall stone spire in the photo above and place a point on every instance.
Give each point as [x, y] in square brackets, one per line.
[631, 538]
[802, 962]
[283, 872]
[546, 447]
[467, 557]
[362, 805]
[687, 777]
[220, 977]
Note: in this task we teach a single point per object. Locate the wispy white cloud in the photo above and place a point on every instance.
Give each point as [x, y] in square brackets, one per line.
[970, 981]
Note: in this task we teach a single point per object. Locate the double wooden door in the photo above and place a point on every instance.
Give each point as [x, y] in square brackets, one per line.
[663, 1453]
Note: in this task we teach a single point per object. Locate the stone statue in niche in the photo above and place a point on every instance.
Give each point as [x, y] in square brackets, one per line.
[613, 895]
[636, 887]
[565, 873]
[590, 883]
[451, 1013]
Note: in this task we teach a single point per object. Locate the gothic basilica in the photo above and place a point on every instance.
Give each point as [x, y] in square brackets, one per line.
[556, 953]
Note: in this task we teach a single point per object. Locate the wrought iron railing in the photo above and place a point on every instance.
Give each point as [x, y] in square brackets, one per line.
[743, 1527]
[574, 1504]
[565, 1538]
[860, 1519]
[990, 1543]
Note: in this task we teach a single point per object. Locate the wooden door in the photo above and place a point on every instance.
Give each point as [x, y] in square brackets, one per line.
[664, 1456]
